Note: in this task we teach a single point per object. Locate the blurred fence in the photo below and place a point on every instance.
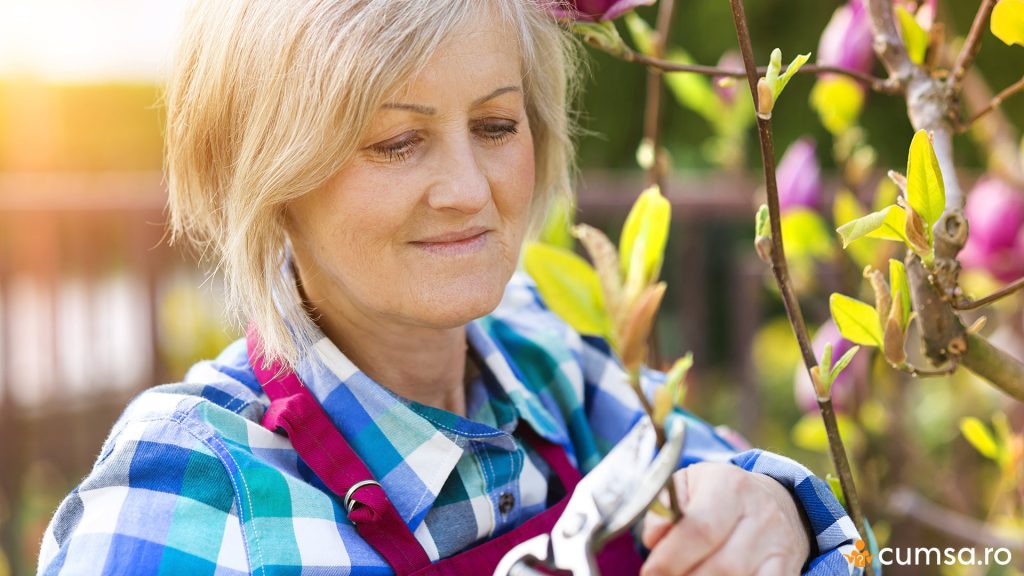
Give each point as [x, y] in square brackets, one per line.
[95, 306]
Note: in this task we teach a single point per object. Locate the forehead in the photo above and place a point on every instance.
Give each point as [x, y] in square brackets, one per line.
[478, 56]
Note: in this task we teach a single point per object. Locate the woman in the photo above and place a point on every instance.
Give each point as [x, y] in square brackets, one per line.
[365, 172]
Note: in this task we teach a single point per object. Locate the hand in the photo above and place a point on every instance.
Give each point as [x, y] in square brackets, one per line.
[733, 522]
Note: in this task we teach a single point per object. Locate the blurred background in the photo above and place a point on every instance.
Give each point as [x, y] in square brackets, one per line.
[95, 306]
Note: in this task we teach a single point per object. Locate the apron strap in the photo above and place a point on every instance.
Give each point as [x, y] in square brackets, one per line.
[322, 447]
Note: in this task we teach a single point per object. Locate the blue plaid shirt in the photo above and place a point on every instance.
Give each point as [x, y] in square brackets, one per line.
[189, 482]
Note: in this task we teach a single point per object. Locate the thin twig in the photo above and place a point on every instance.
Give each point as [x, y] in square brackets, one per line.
[657, 174]
[906, 502]
[781, 272]
[877, 84]
[998, 294]
[996, 101]
[970, 48]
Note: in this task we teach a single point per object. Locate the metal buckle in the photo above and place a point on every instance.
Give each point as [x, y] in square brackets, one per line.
[349, 501]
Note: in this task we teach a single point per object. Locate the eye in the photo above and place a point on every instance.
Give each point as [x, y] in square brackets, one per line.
[397, 150]
[498, 132]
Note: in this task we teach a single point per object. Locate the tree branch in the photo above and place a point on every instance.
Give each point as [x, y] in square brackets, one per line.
[996, 101]
[994, 365]
[998, 294]
[880, 85]
[906, 502]
[781, 272]
[969, 49]
[888, 45]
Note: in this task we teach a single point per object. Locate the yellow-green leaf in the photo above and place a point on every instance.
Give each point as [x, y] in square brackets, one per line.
[857, 321]
[846, 207]
[898, 283]
[914, 36]
[675, 379]
[886, 224]
[557, 230]
[795, 65]
[809, 433]
[979, 436]
[641, 33]
[894, 225]
[1007, 22]
[806, 234]
[644, 235]
[569, 286]
[843, 362]
[838, 101]
[697, 93]
[926, 192]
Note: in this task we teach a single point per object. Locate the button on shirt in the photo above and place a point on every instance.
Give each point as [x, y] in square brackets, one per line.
[189, 482]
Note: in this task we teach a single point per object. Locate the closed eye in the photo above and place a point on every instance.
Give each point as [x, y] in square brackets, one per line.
[402, 149]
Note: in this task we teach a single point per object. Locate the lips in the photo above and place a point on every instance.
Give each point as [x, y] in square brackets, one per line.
[457, 236]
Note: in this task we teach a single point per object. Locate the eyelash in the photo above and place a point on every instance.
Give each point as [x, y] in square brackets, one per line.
[496, 133]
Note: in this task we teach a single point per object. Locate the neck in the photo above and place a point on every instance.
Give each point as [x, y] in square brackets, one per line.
[423, 364]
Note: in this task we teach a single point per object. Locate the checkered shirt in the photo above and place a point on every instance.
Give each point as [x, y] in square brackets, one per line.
[189, 482]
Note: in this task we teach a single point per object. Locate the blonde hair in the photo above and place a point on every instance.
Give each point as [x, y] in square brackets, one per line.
[268, 99]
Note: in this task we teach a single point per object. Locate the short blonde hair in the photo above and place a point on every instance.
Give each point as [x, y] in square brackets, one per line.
[268, 99]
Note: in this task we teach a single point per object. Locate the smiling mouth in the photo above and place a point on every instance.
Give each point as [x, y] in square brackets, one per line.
[464, 245]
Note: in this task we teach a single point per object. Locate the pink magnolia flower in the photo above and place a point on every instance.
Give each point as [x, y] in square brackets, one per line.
[843, 388]
[799, 177]
[596, 10]
[846, 41]
[995, 213]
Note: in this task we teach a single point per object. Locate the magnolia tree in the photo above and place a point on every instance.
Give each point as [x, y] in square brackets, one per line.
[924, 245]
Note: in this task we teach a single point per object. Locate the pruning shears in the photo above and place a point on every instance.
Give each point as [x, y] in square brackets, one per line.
[607, 501]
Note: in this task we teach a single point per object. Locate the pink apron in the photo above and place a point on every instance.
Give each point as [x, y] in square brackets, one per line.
[322, 447]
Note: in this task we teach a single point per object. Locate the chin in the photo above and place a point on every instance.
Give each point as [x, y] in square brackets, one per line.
[457, 301]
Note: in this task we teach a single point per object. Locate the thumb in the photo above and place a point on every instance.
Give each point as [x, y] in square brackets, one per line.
[655, 526]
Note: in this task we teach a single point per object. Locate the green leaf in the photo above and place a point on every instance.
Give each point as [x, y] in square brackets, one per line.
[795, 65]
[898, 283]
[838, 101]
[806, 234]
[569, 286]
[894, 226]
[837, 489]
[886, 224]
[926, 192]
[557, 230]
[914, 36]
[979, 436]
[826, 365]
[762, 224]
[675, 379]
[642, 245]
[601, 35]
[809, 433]
[696, 92]
[1007, 22]
[843, 362]
[774, 67]
[641, 33]
[857, 321]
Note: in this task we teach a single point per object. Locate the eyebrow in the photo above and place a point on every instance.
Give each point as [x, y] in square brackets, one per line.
[429, 111]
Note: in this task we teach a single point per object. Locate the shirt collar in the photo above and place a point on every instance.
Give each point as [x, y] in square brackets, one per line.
[412, 449]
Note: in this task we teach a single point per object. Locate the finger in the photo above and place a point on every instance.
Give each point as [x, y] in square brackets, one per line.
[655, 526]
[774, 566]
[709, 518]
[741, 555]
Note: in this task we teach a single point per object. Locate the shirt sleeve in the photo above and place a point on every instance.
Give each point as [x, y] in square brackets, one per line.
[156, 501]
[612, 409]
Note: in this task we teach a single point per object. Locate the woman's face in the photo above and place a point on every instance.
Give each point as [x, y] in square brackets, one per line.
[424, 225]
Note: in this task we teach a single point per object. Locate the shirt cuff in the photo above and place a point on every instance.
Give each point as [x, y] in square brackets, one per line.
[834, 531]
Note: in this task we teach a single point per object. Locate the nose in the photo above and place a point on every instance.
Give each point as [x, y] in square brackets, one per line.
[462, 184]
